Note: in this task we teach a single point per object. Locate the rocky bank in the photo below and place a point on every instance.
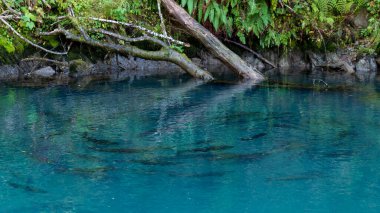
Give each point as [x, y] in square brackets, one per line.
[342, 65]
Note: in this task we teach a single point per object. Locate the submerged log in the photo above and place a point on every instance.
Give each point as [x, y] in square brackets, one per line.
[216, 47]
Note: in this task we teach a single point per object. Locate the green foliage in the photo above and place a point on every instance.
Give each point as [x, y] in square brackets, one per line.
[373, 29]
[6, 42]
[39, 17]
[232, 15]
[177, 48]
[28, 19]
[259, 23]
[283, 23]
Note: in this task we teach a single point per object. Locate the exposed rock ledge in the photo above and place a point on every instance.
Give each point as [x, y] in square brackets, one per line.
[343, 63]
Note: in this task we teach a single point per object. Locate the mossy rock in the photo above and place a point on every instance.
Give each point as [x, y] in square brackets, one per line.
[79, 65]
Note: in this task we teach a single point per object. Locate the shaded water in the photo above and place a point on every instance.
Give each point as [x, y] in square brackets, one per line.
[159, 145]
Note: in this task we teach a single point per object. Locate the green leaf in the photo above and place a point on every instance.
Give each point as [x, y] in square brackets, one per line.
[241, 37]
[200, 10]
[29, 25]
[190, 6]
[207, 13]
[330, 21]
[183, 3]
[224, 15]
[212, 15]
[7, 44]
[53, 42]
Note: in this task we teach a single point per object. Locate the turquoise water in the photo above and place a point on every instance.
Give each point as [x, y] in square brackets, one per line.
[171, 145]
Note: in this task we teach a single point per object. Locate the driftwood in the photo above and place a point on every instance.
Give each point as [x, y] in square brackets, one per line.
[216, 47]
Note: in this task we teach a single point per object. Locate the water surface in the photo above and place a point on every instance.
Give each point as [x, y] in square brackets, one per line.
[172, 145]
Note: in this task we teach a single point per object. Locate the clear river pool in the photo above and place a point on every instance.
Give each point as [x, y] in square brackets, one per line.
[176, 145]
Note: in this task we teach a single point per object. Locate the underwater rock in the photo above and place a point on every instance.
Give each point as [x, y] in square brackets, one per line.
[254, 137]
[26, 188]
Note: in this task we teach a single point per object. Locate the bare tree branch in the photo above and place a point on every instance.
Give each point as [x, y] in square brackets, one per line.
[74, 21]
[137, 39]
[150, 32]
[30, 42]
[61, 63]
[255, 53]
[11, 9]
[162, 20]
[46, 4]
[164, 54]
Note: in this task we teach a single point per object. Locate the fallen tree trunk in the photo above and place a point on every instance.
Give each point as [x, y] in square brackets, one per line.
[164, 54]
[216, 47]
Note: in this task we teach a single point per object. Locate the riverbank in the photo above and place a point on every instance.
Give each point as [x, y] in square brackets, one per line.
[346, 66]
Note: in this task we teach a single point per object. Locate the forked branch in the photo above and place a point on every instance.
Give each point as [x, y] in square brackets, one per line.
[164, 54]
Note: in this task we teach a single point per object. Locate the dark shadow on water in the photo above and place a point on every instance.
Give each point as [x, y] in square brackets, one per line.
[297, 177]
[26, 188]
[254, 137]
[198, 175]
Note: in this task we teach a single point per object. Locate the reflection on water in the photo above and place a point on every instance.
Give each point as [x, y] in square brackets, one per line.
[172, 145]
